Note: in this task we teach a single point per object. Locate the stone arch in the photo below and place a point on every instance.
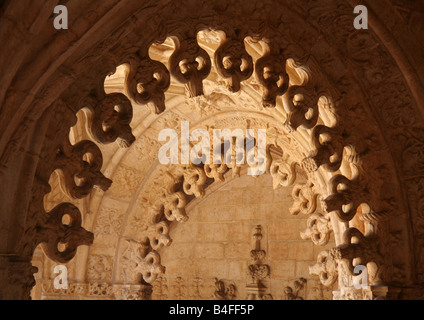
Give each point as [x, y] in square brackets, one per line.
[347, 79]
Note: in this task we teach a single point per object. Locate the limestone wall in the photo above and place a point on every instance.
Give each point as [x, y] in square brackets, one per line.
[216, 241]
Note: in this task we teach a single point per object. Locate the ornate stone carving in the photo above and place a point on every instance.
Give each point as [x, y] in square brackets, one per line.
[216, 171]
[132, 292]
[174, 206]
[109, 119]
[190, 65]
[346, 196]
[318, 229]
[283, 173]
[233, 63]
[358, 249]
[100, 268]
[294, 293]
[160, 288]
[136, 261]
[302, 106]
[305, 199]
[74, 289]
[194, 180]
[79, 168]
[326, 267]
[157, 235]
[328, 152]
[223, 292]
[196, 286]
[102, 290]
[54, 232]
[147, 81]
[179, 288]
[271, 73]
[373, 62]
[109, 223]
[370, 293]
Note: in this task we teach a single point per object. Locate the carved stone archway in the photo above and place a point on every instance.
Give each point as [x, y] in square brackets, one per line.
[372, 95]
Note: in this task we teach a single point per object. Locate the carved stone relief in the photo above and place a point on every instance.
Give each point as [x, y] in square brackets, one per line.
[346, 155]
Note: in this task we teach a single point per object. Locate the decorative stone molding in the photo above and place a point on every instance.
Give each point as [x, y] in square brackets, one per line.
[100, 268]
[370, 293]
[271, 73]
[364, 250]
[93, 290]
[283, 173]
[160, 288]
[133, 292]
[301, 103]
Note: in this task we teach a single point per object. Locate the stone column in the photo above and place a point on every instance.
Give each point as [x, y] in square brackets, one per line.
[16, 278]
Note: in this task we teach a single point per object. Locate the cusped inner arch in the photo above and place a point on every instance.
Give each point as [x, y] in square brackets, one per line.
[216, 109]
[146, 190]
